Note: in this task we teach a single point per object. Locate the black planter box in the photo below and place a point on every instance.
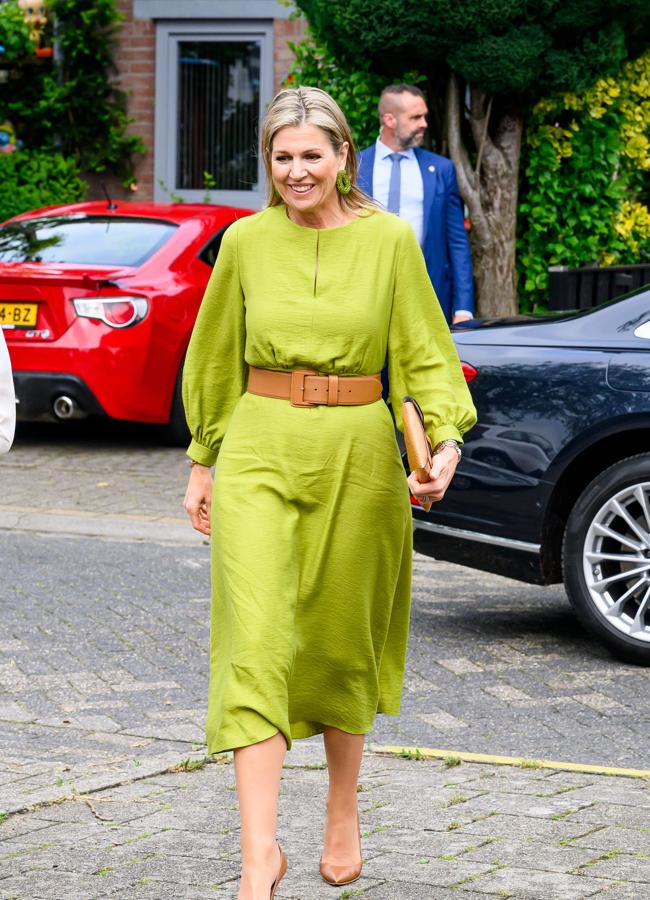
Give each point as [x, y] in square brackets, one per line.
[587, 287]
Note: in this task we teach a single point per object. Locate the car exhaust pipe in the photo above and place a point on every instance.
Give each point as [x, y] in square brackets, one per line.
[66, 408]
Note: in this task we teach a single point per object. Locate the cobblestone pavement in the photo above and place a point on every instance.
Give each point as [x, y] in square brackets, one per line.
[430, 832]
[103, 665]
[99, 470]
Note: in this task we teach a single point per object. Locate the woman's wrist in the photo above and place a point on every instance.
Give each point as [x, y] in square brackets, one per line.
[449, 442]
[194, 464]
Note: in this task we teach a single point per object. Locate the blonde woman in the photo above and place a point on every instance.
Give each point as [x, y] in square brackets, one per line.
[309, 514]
[7, 399]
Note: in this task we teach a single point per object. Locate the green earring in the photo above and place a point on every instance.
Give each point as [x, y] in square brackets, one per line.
[343, 183]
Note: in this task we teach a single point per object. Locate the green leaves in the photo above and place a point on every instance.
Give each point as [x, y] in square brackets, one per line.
[355, 89]
[504, 63]
[507, 47]
[30, 180]
[14, 34]
[584, 159]
[76, 107]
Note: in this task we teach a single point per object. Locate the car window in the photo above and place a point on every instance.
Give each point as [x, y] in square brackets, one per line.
[95, 240]
[211, 250]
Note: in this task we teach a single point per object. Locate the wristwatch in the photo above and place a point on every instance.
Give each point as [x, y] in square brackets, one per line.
[449, 443]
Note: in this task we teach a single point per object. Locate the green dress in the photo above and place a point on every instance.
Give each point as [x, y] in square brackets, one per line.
[311, 522]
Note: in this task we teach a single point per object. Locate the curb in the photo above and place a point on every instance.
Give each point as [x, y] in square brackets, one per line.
[521, 762]
[73, 523]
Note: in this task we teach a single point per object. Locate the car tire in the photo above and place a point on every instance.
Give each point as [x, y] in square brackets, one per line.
[610, 593]
[176, 433]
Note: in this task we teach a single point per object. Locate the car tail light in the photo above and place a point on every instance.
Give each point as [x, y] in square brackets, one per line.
[469, 372]
[118, 312]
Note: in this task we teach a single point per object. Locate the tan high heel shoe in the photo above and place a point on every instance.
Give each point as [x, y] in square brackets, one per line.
[338, 875]
[281, 872]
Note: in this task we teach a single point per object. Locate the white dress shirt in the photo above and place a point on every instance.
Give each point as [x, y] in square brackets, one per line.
[7, 399]
[411, 187]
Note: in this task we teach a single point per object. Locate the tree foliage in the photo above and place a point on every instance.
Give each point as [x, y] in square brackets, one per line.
[356, 89]
[15, 40]
[29, 180]
[75, 106]
[515, 48]
[498, 58]
[585, 186]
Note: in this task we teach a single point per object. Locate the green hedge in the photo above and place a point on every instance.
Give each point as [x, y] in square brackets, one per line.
[31, 179]
[585, 194]
[73, 104]
[15, 39]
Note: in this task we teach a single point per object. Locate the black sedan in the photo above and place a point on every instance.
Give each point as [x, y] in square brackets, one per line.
[554, 484]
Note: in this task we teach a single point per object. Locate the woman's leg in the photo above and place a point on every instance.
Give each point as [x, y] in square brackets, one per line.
[257, 770]
[341, 840]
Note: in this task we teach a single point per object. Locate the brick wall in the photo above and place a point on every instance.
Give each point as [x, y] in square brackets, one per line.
[135, 59]
[285, 30]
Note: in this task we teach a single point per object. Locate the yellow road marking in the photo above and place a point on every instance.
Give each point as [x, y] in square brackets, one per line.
[522, 762]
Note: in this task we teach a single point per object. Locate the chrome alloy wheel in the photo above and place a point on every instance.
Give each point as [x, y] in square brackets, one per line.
[616, 561]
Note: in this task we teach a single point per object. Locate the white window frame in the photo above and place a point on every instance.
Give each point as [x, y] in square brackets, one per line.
[168, 37]
[212, 9]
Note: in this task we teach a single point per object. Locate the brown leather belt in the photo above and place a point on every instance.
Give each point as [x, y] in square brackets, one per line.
[305, 387]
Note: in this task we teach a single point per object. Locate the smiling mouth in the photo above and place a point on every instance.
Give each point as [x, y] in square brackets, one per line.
[301, 188]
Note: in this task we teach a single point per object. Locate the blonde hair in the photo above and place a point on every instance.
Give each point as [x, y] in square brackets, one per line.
[311, 106]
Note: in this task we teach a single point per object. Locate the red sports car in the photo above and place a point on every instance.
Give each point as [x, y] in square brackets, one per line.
[97, 303]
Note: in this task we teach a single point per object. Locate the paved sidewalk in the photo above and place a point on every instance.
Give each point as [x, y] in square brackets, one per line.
[107, 470]
[431, 831]
[103, 666]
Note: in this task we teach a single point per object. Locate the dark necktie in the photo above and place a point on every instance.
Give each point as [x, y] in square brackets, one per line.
[394, 186]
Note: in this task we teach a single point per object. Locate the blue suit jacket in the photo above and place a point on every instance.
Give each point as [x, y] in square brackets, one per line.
[444, 244]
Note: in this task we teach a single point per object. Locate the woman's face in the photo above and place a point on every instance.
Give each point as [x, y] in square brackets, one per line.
[304, 166]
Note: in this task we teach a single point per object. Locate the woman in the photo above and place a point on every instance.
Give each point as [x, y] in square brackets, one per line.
[311, 523]
[7, 399]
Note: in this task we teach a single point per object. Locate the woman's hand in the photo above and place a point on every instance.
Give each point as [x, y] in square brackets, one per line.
[442, 471]
[198, 498]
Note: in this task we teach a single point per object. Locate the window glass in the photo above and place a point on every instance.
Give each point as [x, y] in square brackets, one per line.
[211, 250]
[218, 115]
[96, 240]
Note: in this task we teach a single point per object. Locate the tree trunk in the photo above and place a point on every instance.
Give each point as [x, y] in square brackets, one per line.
[490, 191]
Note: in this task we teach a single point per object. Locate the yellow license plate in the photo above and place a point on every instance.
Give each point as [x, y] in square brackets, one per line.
[17, 314]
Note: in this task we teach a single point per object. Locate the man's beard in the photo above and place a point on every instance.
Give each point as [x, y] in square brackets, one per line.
[413, 139]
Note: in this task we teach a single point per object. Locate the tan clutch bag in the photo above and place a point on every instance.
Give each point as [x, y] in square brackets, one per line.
[418, 446]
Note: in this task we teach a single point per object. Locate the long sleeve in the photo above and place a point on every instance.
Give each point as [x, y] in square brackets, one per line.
[422, 357]
[214, 375]
[7, 399]
[458, 251]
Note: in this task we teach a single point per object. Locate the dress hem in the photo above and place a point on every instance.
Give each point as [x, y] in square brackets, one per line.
[298, 731]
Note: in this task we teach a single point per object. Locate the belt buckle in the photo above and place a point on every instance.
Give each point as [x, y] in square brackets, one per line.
[297, 397]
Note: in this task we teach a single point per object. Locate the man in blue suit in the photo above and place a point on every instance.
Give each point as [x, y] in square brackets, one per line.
[421, 187]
